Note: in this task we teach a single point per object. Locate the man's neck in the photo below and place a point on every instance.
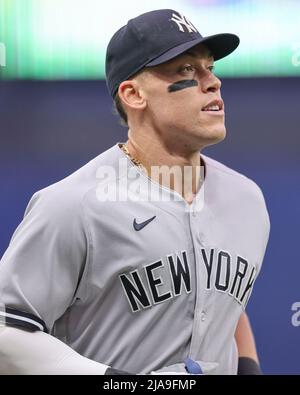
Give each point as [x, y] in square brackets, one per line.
[172, 168]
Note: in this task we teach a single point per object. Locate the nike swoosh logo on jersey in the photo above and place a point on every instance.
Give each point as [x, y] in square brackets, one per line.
[140, 226]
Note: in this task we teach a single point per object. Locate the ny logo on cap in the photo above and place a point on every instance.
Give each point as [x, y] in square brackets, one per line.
[182, 21]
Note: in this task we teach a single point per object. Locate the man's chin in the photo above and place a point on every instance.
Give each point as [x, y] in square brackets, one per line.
[219, 136]
[214, 137]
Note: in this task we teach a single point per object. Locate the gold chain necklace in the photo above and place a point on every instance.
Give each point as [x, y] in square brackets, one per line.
[135, 161]
[139, 164]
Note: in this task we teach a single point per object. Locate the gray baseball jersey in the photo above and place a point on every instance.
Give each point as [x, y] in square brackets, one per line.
[137, 284]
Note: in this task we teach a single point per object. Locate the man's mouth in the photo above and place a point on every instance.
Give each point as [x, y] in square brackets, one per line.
[214, 105]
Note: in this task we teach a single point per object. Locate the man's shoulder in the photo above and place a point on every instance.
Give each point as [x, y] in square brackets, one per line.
[68, 193]
[236, 184]
[229, 175]
[236, 192]
[222, 168]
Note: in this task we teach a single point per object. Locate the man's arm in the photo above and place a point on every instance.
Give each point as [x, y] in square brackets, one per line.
[245, 339]
[38, 353]
[248, 358]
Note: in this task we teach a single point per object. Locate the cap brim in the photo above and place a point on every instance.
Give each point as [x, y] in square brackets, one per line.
[220, 46]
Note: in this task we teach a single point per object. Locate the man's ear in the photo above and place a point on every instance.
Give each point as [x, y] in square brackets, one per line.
[132, 95]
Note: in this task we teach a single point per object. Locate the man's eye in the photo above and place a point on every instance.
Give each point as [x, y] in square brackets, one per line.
[211, 68]
[187, 68]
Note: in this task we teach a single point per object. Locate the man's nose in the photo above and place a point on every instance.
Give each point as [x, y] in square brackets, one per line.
[210, 83]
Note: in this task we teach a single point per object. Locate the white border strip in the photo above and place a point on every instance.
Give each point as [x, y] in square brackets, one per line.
[20, 318]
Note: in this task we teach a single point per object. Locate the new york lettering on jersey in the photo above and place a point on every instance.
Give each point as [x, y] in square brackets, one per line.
[223, 273]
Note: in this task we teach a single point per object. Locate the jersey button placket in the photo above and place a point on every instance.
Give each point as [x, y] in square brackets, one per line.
[199, 317]
[195, 220]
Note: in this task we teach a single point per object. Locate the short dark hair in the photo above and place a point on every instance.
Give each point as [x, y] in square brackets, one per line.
[120, 110]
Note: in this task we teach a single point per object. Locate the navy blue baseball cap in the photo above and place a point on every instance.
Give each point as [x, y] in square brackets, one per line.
[154, 38]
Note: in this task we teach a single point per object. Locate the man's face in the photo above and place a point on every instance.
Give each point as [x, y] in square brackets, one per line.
[178, 94]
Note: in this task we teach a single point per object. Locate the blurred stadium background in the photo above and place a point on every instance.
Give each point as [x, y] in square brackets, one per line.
[56, 114]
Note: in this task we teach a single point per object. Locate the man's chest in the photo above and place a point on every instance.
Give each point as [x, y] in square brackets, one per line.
[153, 254]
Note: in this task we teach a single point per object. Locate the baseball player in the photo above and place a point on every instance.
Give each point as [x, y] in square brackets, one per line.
[119, 270]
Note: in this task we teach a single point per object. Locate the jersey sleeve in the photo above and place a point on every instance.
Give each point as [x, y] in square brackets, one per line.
[41, 273]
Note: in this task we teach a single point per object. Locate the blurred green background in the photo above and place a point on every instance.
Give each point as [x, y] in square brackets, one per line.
[64, 39]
